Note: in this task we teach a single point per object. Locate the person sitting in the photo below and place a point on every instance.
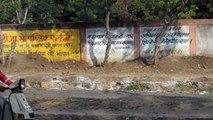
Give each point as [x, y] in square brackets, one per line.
[4, 79]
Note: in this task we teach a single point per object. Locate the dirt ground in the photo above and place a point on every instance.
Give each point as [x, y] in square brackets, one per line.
[198, 67]
[169, 66]
[182, 66]
[193, 68]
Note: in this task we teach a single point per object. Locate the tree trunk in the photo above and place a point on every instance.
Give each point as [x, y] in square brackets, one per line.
[22, 17]
[167, 22]
[2, 47]
[13, 46]
[161, 34]
[109, 35]
[157, 43]
[21, 14]
[25, 15]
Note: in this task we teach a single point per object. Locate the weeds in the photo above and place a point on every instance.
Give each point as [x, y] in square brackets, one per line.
[137, 86]
[185, 86]
[211, 90]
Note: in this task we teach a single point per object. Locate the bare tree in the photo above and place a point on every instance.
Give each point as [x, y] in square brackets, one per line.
[21, 11]
[21, 14]
[109, 37]
[162, 32]
[109, 4]
[167, 22]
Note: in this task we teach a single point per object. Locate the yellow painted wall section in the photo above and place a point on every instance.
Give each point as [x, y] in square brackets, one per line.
[56, 45]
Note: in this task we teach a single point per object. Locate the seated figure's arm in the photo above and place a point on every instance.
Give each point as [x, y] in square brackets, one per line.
[4, 79]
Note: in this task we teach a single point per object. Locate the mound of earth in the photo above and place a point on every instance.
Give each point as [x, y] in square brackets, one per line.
[35, 63]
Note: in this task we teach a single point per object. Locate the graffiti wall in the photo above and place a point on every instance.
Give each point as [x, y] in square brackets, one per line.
[204, 40]
[60, 44]
[122, 48]
[176, 41]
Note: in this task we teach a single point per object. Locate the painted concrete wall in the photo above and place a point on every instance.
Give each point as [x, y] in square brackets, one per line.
[56, 44]
[175, 42]
[122, 47]
[204, 40]
[87, 42]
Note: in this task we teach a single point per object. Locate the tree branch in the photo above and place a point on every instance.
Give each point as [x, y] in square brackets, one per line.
[18, 16]
[25, 16]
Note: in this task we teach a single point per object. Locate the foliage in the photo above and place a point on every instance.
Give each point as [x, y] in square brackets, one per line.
[52, 11]
[120, 11]
[45, 11]
[79, 10]
[6, 12]
[203, 8]
[154, 9]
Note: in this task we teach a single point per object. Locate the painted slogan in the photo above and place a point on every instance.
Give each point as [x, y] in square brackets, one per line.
[122, 47]
[62, 44]
[175, 42]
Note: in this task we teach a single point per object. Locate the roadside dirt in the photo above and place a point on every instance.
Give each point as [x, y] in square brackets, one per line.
[34, 66]
[35, 63]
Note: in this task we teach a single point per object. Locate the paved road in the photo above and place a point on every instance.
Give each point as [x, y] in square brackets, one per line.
[118, 105]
